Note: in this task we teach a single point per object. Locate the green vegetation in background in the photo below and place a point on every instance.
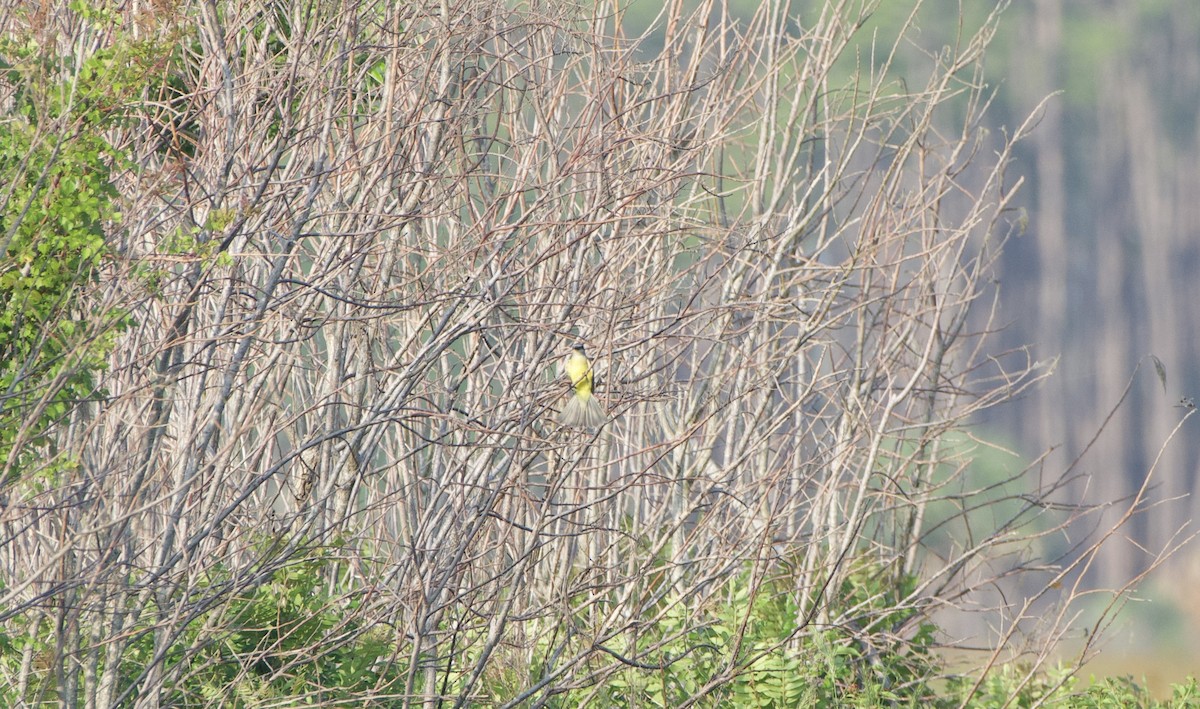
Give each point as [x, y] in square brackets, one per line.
[981, 490]
[1089, 40]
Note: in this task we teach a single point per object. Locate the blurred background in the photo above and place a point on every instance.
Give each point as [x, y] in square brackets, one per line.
[1102, 276]
[1105, 276]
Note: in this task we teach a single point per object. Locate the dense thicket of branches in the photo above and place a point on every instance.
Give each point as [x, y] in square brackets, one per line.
[355, 240]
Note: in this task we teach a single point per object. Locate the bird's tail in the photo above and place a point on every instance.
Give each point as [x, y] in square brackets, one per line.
[583, 413]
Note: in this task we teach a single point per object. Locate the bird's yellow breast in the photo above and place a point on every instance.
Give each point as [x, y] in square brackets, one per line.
[579, 370]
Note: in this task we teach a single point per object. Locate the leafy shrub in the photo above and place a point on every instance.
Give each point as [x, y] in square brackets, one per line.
[55, 205]
[287, 637]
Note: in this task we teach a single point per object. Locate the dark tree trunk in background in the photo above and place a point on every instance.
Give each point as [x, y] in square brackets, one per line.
[1049, 223]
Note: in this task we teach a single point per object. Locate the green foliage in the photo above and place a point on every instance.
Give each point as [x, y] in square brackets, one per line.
[1112, 693]
[56, 205]
[1015, 686]
[755, 639]
[751, 640]
[287, 637]
[1120, 692]
[1186, 694]
[1011, 684]
[290, 637]
[58, 198]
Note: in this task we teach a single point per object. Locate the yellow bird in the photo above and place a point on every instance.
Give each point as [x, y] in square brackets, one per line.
[582, 410]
